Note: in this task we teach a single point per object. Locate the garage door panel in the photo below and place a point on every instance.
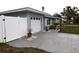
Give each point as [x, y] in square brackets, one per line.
[35, 26]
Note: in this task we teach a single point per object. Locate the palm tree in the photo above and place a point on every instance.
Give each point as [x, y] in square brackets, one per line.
[71, 14]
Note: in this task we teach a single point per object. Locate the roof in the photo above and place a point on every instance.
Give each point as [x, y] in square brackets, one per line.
[26, 9]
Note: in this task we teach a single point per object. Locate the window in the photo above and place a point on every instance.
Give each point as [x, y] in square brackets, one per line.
[48, 22]
[39, 18]
[34, 18]
[31, 17]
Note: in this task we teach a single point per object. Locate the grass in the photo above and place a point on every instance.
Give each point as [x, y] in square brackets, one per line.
[4, 48]
[70, 29]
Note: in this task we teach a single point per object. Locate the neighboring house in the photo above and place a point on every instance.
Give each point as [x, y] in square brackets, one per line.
[57, 18]
[23, 20]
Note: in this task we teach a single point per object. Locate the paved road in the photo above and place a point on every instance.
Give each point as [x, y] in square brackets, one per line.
[51, 41]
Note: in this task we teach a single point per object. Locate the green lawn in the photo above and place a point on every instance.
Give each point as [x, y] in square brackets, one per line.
[4, 48]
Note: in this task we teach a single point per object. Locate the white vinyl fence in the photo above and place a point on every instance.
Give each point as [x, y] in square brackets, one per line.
[13, 28]
[1, 30]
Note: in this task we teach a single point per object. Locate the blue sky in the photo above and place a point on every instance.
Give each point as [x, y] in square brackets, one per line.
[51, 6]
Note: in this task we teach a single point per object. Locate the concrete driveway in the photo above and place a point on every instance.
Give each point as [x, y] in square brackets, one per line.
[51, 41]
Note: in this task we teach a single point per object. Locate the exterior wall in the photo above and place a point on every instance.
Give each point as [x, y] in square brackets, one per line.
[46, 22]
[28, 23]
[22, 15]
[34, 15]
[42, 23]
[51, 21]
[47, 26]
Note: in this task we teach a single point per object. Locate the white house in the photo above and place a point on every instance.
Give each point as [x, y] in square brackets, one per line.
[16, 23]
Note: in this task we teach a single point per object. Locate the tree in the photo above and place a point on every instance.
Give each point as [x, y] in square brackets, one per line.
[67, 12]
[71, 14]
[75, 15]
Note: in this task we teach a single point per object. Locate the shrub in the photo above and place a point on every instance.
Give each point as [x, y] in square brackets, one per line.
[52, 27]
[56, 23]
[46, 28]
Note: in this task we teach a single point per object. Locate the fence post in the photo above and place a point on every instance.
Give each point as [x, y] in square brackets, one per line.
[3, 28]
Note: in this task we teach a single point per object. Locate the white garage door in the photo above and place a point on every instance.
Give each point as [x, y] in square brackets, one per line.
[35, 25]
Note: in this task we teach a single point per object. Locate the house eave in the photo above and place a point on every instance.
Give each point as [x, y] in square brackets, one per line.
[25, 10]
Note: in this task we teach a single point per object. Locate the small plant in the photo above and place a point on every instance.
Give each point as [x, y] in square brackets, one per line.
[29, 33]
[51, 27]
[56, 24]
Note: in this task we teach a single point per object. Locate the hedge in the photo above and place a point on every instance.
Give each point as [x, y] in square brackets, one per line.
[74, 29]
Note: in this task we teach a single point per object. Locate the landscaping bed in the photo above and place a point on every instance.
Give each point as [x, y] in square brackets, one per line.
[4, 48]
[74, 29]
